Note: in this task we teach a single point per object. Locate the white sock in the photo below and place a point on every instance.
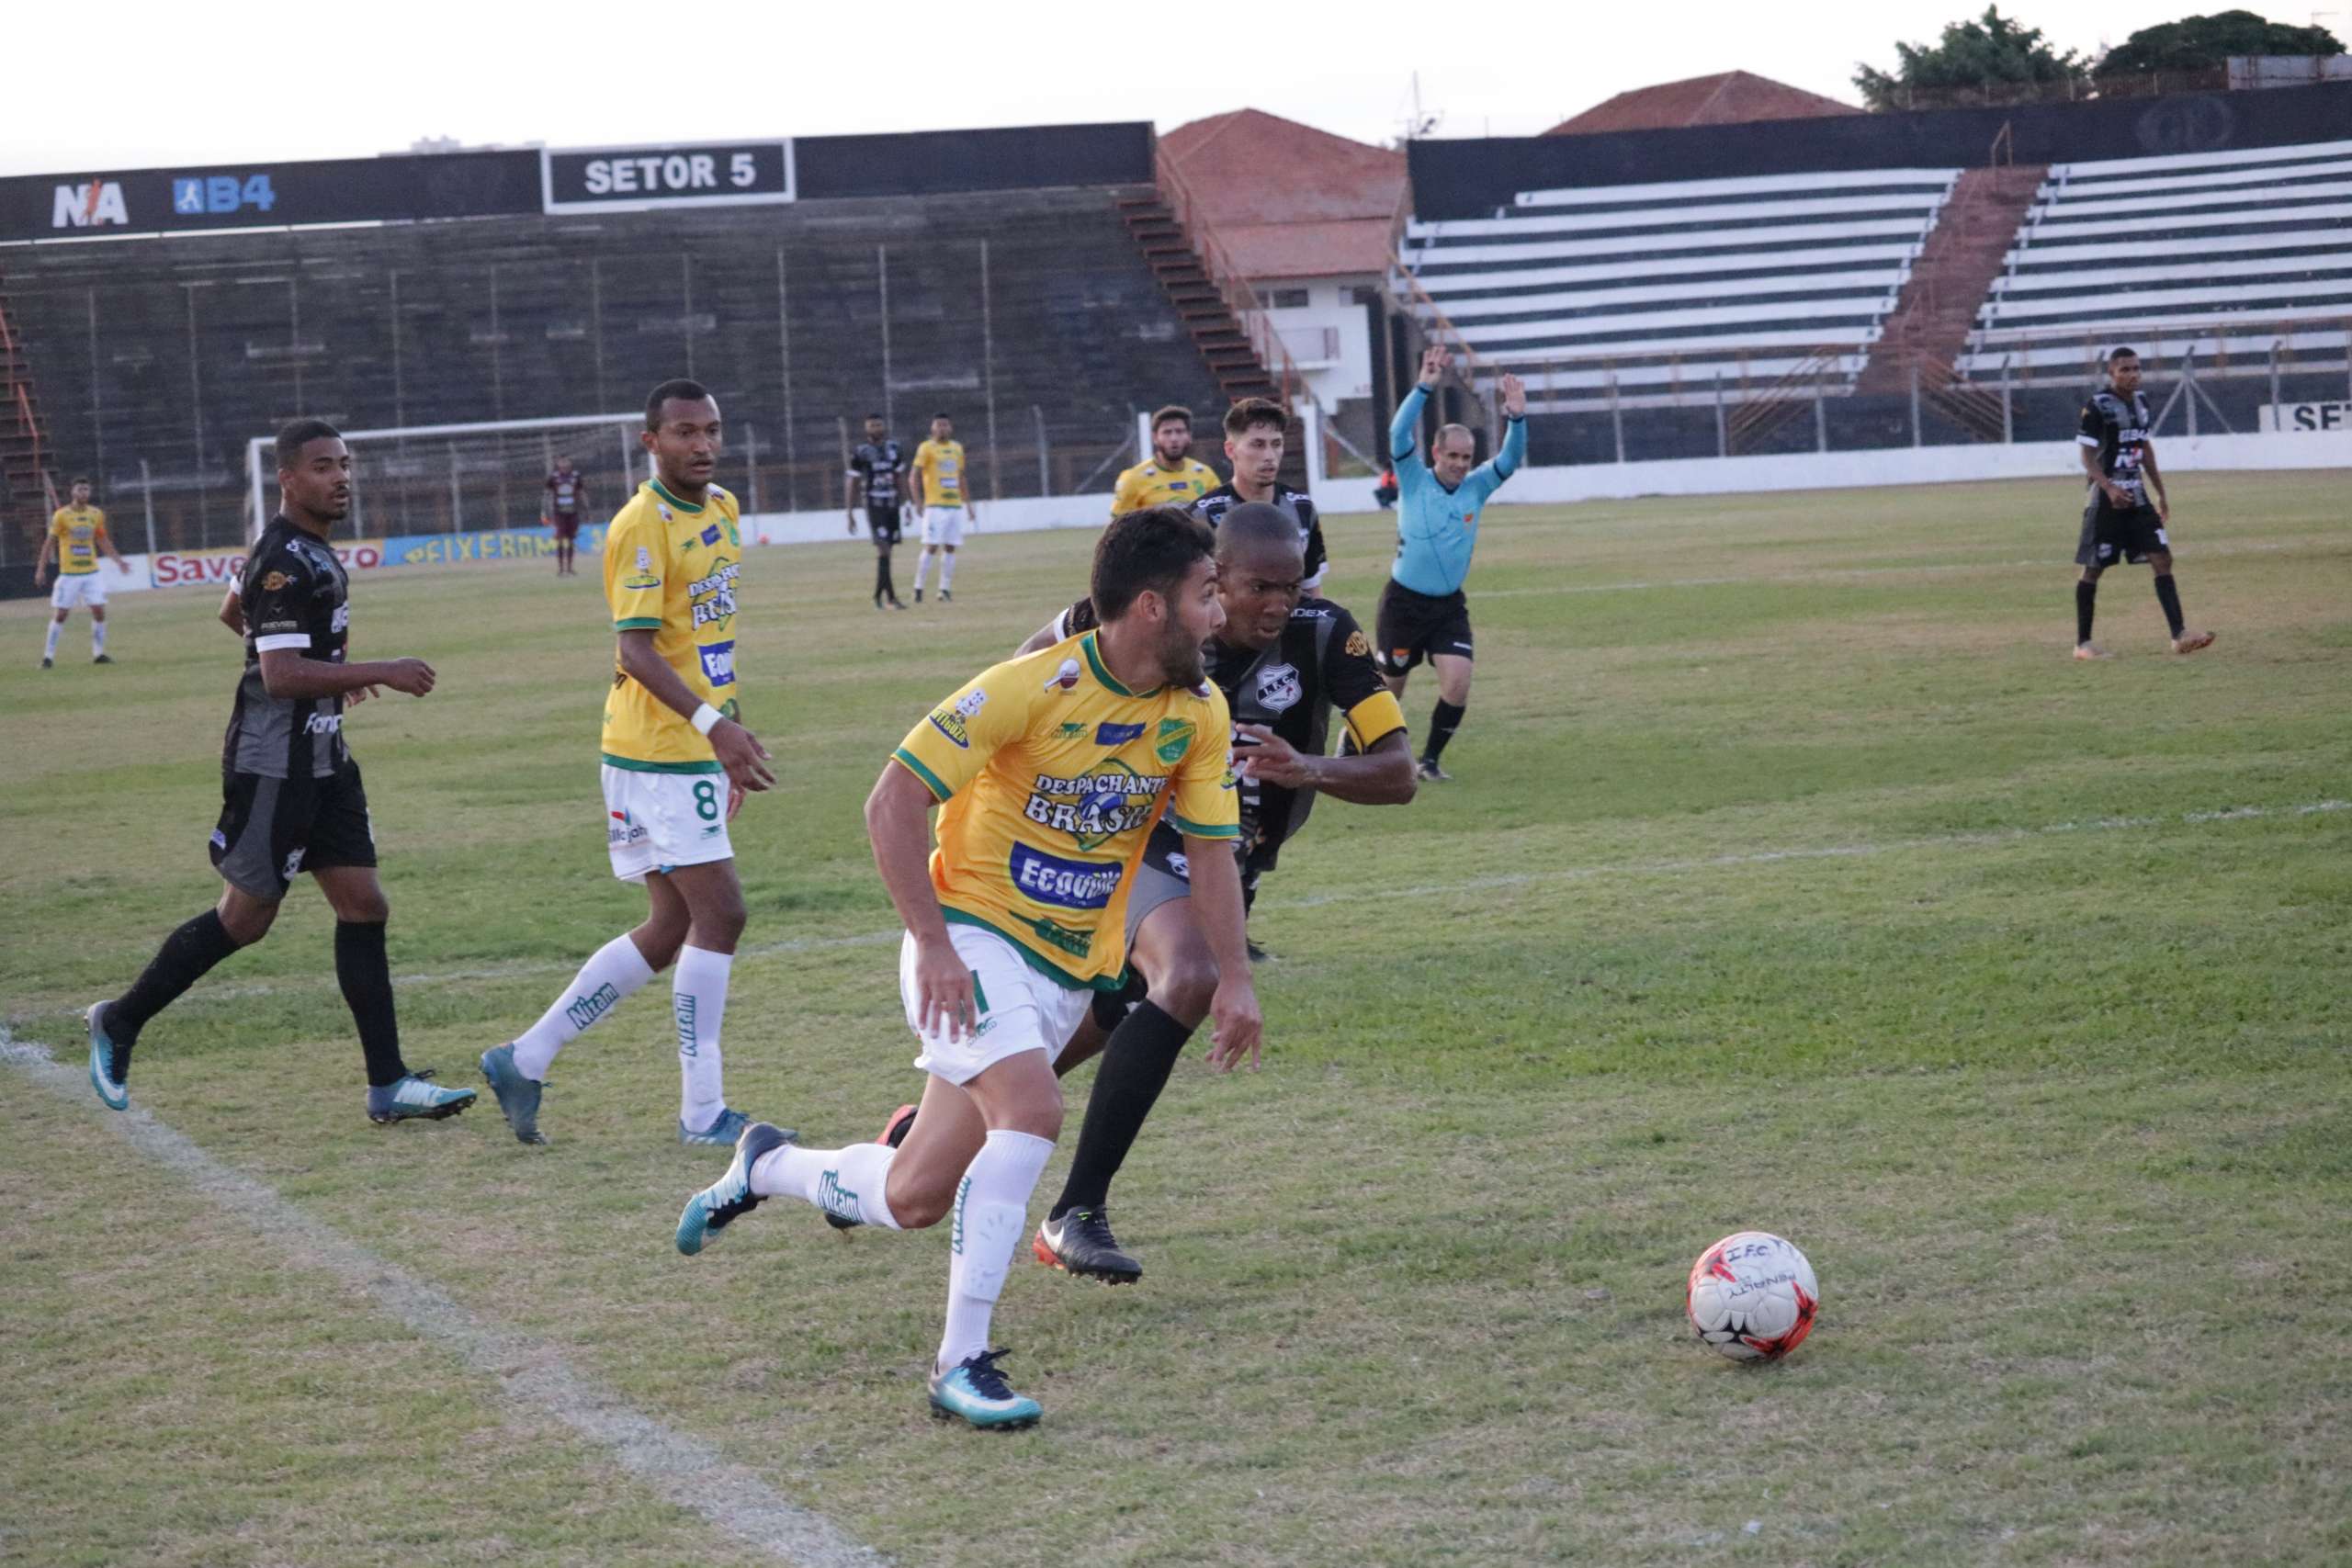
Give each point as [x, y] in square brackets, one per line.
[97, 638]
[849, 1182]
[991, 1212]
[947, 569]
[616, 970]
[698, 992]
[922, 568]
[48, 648]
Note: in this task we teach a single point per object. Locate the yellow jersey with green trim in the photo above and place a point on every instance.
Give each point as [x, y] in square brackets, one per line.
[1156, 483]
[78, 531]
[1051, 775]
[940, 464]
[671, 567]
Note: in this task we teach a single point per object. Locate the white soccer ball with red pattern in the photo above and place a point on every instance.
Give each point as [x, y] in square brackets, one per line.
[1753, 1296]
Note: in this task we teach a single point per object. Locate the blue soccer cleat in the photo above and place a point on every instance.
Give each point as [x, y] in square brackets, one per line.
[518, 1096]
[721, 1134]
[729, 1198]
[974, 1392]
[415, 1098]
[109, 1062]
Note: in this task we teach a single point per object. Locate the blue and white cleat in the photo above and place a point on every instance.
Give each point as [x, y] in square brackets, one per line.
[518, 1096]
[729, 1198]
[413, 1098]
[721, 1134]
[974, 1392]
[109, 1062]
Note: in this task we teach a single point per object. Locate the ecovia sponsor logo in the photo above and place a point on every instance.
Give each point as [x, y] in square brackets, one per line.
[1064, 884]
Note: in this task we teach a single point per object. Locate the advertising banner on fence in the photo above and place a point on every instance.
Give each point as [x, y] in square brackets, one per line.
[2292, 417]
[221, 566]
[499, 543]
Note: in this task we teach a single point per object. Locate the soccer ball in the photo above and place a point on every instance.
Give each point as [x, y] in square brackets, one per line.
[1752, 1296]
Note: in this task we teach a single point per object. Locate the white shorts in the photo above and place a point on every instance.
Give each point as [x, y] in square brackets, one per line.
[80, 588]
[662, 821]
[943, 524]
[1020, 1009]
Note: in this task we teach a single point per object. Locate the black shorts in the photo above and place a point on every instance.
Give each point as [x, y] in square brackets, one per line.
[272, 830]
[2109, 535]
[1411, 627]
[883, 522]
[566, 526]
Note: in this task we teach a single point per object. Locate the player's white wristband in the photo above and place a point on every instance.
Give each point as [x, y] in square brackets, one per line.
[704, 719]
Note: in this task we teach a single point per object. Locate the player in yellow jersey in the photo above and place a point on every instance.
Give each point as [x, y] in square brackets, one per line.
[1049, 771]
[1172, 475]
[677, 762]
[940, 484]
[76, 535]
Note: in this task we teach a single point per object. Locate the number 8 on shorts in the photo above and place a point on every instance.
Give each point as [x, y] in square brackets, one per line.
[658, 821]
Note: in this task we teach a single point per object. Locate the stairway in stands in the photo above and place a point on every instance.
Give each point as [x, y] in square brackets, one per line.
[1936, 311]
[26, 494]
[1222, 312]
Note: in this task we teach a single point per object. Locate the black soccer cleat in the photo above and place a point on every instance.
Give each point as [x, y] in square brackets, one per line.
[102, 658]
[1081, 1243]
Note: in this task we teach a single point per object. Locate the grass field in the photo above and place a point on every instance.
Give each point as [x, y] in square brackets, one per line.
[1794, 878]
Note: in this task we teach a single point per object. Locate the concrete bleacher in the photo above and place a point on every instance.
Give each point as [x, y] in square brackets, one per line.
[2220, 255]
[1657, 290]
[175, 351]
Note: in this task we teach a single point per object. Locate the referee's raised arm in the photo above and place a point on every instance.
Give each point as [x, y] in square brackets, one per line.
[1404, 433]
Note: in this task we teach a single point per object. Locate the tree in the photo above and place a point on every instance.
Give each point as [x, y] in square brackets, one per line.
[1990, 50]
[2205, 43]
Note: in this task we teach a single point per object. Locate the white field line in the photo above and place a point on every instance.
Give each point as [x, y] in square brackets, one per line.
[680, 1468]
[1858, 573]
[525, 968]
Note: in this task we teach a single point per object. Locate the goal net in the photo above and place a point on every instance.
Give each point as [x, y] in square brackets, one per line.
[467, 478]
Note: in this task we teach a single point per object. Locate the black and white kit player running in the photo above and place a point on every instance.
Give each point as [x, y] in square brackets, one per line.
[2119, 526]
[291, 796]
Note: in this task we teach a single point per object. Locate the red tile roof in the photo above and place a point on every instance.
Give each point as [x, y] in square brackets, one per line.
[1730, 97]
[1342, 245]
[1251, 168]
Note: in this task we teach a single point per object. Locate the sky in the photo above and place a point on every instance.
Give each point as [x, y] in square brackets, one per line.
[230, 81]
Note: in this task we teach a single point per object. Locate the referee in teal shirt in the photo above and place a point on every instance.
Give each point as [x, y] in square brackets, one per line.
[1423, 612]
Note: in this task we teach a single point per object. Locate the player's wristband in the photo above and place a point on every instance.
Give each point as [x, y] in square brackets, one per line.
[706, 718]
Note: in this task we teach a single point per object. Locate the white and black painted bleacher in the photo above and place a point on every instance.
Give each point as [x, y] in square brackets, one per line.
[1645, 294]
[2219, 254]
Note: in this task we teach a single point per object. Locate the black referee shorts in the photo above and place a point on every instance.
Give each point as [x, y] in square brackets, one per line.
[1412, 627]
[883, 522]
[272, 830]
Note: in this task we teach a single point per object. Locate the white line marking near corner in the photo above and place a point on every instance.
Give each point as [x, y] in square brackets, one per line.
[681, 1469]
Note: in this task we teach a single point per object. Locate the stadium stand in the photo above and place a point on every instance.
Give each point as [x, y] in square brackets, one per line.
[2221, 253]
[176, 350]
[1634, 295]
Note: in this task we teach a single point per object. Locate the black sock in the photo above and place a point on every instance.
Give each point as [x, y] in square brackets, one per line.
[2169, 597]
[1136, 1064]
[366, 977]
[1444, 719]
[2086, 598]
[183, 960]
[881, 576]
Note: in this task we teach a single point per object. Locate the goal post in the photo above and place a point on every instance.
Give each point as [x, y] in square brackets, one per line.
[465, 479]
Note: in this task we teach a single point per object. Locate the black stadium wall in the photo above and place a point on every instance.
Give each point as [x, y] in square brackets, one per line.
[991, 271]
[1471, 178]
